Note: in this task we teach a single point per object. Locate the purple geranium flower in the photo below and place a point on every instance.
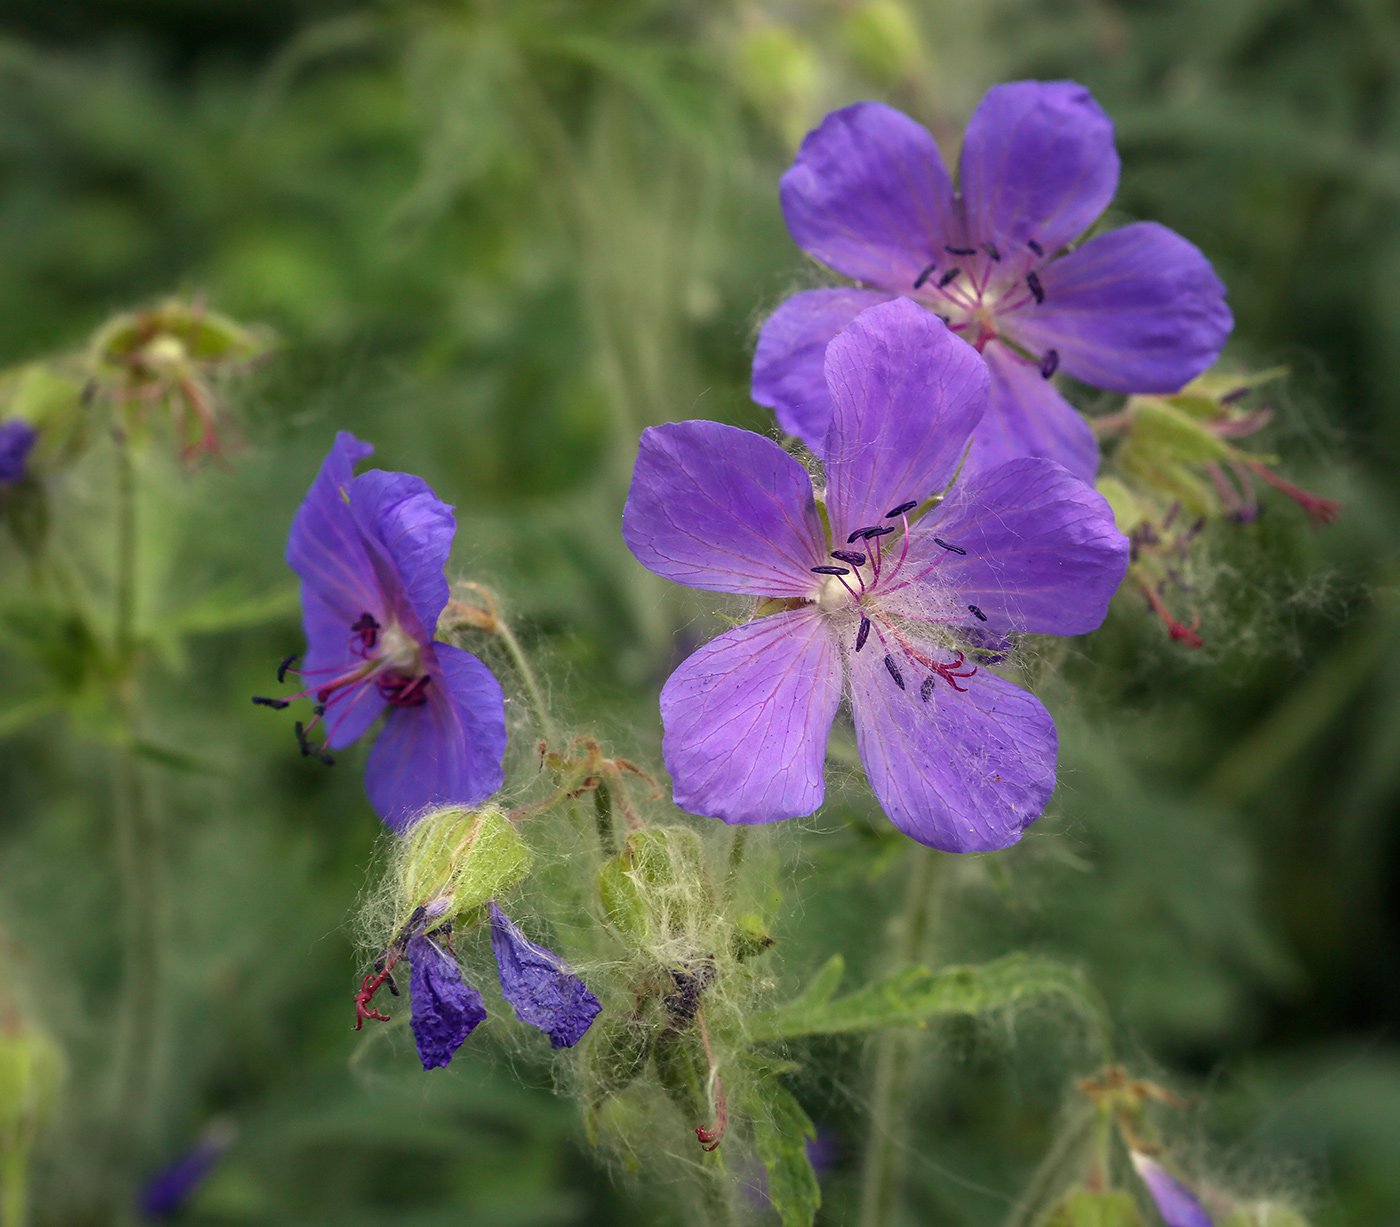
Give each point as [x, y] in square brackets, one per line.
[17, 439]
[370, 551]
[1135, 310]
[446, 1009]
[1177, 1205]
[897, 597]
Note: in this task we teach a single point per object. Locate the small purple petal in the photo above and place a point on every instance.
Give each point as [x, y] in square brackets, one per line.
[17, 439]
[1134, 310]
[961, 772]
[722, 509]
[869, 196]
[747, 717]
[445, 1009]
[906, 394]
[1038, 165]
[1175, 1202]
[169, 1189]
[539, 984]
[789, 374]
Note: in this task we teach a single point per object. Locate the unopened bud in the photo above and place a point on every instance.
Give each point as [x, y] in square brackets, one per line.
[883, 40]
[1084, 1207]
[656, 888]
[779, 75]
[456, 860]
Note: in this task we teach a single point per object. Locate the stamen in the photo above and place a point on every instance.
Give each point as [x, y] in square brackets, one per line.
[285, 665]
[857, 535]
[851, 556]
[895, 512]
[926, 690]
[1035, 247]
[882, 530]
[960, 251]
[952, 549]
[1033, 280]
[310, 751]
[367, 629]
[894, 671]
[991, 250]
[830, 571]
[863, 634]
[977, 613]
[925, 275]
[949, 277]
[1049, 363]
[275, 704]
[404, 691]
[1237, 394]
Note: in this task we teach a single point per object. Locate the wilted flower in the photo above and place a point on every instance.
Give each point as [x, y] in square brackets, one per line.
[959, 758]
[17, 439]
[370, 551]
[1135, 310]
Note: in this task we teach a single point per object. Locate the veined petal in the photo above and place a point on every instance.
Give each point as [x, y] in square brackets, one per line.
[906, 394]
[445, 751]
[1134, 310]
[1027, 416]
[540, 986]
[445, 1009]
[869, 196]
[747, 717]
[961, 772]
[1037, 165]
[353, 708]
[722, 509]
[789, 371]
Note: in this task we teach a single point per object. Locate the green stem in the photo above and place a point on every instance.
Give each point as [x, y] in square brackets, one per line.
[736, 859]
[521, 664]
[603, 815]
[884, 1157]
[14, 1180]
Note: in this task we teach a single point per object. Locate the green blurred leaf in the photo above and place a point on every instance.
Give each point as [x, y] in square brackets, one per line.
[781, 1131]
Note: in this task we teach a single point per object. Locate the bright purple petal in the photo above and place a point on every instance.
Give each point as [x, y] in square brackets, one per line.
[961, 772]
[747, 717]
[906, 393]
[869, 196]
[1175, 1202]
[539, 984]
[445, 751]
[1037, 165]
[352, 709]
[17, 439]
[1042, 552]
[445, 1009]
[789, 372]
[1134, 310]
[722, 509]
[1026, 416]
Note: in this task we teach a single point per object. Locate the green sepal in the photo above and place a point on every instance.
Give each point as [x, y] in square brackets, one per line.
[656, 887]
[616, 1055]
[467, 857]
[1095, 1208]
[750, 937]
[1128, 510]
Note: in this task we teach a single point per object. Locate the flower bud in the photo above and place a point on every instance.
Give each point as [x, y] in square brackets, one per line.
[456, 860]
[778, 74]
[656, 889]
[883, 40]
[1083, 1207]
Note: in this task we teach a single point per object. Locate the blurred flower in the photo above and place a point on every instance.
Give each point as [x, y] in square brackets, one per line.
[959, 759]
[370, 551]
[17, 439]
[169, 1189]
[1135, 310]
[1174, 1201]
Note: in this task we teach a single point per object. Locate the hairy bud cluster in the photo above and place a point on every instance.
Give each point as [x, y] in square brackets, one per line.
[454, 861]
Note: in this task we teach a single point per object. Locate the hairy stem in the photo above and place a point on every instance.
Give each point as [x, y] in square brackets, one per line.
[736, 860]
[521, 664]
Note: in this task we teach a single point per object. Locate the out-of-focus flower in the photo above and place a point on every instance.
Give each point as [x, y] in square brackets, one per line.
[170, 1188]
[1176, 1203]
[959, 758]
[17, 439]
[1137, 309]
[370, 551]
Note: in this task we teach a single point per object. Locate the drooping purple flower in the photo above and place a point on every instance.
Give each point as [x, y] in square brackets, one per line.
[1176, 1203]
[892, 596]
[370, 551]
[445, 1008]
[165, 1193]
[544, 992]
[1137, 309]
[17, 439]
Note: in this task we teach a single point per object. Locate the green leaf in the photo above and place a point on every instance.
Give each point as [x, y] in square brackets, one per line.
[222, 610]
[781, 1131]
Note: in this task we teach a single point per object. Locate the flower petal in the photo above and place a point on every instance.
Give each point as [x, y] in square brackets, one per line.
[1041, 550]
[445, 1008]
[722, 509]
[544, 992]
[747, 717]
[1037, 165]
[906, 393]
[445, 751]
[1175, 1202]
[869, 196]
[1134, 310]
[961, 772]
[17, 439]
[789, 372]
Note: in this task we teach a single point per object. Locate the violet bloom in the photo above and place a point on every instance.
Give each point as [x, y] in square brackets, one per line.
[1134, 310]
[1176, 1203]
[892, 595]
[370, 551]
[167, 1192]
[17, 439]
[445, 1008]
[544, 992]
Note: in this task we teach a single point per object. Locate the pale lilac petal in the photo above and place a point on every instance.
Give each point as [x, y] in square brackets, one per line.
[1026, 416]
[445, 751]
[722, 509]
[1037, 165]
[1042, 551]
[906, 394]
[789, 373]
[747, 717]
[17, 439]
[869, 196]
[1134, 310]
[445, 1009]
[539, 984]
[961, 772]
[1175, 1202]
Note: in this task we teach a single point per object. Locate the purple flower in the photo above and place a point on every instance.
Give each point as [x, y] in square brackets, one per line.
[544, 992]
[370, 551]
[446, 1009]
[1135, 310]
[169, 1189]
[17, 439]
[1175, 1202]
[898, 598]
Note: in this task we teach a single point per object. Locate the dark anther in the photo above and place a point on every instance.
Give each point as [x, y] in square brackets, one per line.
[948, 277]
[1035, 247]
[275, 704]
[856, 536]
[863, 634]
[310, 751]
[831, 570]
[1049, 363]
[393, 988]
[926, 689]
[851, 556]
[1033, 280]
[367, 629]
[1237, 394]
[880, 530]
[894, 670]
[991, 250]
[952, 549]
[404, 691]
[977, 613]
[285, 665]
[924, 276]
[895, 512]
[960, 251]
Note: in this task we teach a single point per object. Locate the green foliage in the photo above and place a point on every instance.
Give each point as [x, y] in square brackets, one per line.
[781, 1131]
[1087, 1208]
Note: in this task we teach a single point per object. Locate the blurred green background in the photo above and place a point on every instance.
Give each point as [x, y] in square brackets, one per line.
[497, 240]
